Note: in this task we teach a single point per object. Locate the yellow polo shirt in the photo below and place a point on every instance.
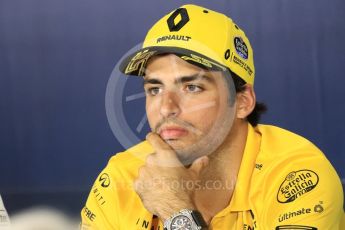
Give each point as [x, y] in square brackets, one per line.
[284, 182]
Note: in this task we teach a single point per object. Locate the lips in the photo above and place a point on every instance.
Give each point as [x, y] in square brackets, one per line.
[172, 132]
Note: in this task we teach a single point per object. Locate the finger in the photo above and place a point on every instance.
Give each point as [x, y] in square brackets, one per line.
[164, 155]
[151, 159]
[138, 186]
[157, 142]
[142, 179]
[199, 164]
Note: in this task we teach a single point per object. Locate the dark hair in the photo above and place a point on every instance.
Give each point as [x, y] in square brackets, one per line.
[254, 117]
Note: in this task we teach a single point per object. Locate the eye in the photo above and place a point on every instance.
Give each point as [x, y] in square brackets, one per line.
[194, 88]
[153, 91]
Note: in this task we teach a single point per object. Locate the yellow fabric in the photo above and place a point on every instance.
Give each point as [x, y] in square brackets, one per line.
[207, 37]
[276, 165]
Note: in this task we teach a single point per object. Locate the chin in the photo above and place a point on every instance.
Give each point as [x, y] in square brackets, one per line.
[175, 144]
[184, 152]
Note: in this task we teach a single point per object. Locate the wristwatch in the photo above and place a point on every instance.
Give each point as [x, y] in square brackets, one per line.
[185, 220]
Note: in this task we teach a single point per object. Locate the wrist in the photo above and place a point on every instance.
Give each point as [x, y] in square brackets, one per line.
[168, 212]
[186, 219]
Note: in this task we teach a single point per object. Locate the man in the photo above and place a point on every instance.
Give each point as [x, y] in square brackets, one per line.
[207, 164]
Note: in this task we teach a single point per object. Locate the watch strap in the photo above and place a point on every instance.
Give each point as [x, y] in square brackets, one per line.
[193, 215]
[199, 220]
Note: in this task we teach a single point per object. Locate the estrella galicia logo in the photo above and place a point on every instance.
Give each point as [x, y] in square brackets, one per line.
[296, 184]
[105, 180]
[241, 47]
[295, 227]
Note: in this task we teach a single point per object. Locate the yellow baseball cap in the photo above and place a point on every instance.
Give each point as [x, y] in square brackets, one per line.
[200, 36]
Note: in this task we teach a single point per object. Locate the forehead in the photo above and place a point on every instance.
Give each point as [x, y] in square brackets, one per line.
[170, 66]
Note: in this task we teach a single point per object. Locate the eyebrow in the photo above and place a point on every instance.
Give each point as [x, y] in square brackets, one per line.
[182, 79]
[152, 81]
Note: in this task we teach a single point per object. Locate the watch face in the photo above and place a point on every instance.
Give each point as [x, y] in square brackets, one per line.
[181, 223]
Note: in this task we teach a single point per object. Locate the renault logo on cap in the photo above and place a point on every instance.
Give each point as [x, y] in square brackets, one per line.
[173, 26]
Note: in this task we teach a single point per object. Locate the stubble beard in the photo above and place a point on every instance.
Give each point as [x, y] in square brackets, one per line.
[209, 142]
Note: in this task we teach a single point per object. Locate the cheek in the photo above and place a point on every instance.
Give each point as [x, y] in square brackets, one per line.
[152, 111]
[201, 111]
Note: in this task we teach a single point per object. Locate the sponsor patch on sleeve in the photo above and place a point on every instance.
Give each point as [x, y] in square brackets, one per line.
[296, 184]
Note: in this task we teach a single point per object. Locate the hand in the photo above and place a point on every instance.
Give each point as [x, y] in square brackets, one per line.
[164, 185]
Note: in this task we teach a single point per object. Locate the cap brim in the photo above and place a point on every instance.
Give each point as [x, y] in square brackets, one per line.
[135, 64]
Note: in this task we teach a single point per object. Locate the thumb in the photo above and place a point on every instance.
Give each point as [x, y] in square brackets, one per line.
[199, 164]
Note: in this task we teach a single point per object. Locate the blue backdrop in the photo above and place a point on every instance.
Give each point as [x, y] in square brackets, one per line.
[56, 57]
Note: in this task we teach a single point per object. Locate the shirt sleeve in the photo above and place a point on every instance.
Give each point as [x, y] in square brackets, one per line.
[99, 212]
[301, 191]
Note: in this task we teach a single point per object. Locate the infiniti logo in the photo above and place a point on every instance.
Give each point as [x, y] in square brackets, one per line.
[105, 180]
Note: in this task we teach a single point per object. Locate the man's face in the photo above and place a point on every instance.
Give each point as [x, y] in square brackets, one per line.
[187, 106]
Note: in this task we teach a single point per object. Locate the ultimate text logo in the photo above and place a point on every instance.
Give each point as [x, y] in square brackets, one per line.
[296, 184]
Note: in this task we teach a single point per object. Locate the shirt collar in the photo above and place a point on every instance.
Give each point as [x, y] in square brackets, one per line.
[239, 200]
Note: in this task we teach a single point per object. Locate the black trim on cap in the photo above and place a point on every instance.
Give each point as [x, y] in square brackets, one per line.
[135, 63]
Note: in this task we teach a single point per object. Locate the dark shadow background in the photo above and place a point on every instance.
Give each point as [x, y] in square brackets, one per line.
[56, 57]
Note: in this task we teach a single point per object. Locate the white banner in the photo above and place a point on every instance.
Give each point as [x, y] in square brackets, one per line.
[4, 218]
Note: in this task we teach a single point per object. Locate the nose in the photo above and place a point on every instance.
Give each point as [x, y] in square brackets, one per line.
[170, 104]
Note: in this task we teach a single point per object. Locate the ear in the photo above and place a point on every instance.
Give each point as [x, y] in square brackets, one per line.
[246, 101]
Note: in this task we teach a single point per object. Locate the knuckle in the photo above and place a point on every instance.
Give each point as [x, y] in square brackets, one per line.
[151, 159]
[150, 137]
